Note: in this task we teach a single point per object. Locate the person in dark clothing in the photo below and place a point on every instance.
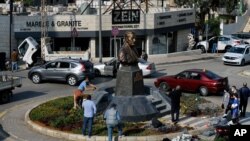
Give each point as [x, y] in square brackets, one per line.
[144, 55]
[175, 96]
[244, 94]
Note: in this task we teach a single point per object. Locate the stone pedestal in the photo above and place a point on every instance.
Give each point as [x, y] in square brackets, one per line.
[129, 81]
[135, 108]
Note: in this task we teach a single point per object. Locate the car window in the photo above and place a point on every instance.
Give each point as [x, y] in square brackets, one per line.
[247, 51]
[195, 75]
[51, 65]
[73, 65]
[184, 75]
[234, 37]
[223, 39]
[236, 50]
[142, 61]
[64, 65]
[111, 62]
[211, 75]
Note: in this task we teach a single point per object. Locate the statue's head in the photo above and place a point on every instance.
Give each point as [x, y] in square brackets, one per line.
[130, 38]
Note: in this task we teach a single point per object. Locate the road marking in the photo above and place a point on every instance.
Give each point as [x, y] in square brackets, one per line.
[2, 114]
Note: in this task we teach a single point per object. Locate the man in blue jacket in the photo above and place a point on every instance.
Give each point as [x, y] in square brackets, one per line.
[244, 94]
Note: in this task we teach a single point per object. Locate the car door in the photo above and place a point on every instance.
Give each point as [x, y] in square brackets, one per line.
[222, 43]
[62, 70]
[109, 67]
[247, 54]
[182, 79]
[194, 81]
[50, 70]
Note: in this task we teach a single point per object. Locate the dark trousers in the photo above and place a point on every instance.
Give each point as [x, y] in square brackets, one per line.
[243, 107]
[175, 111]
[87, 122]
[228, 108]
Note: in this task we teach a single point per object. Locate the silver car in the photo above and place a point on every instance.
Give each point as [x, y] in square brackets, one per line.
[237, 55]
[70, 70]
[110, 68]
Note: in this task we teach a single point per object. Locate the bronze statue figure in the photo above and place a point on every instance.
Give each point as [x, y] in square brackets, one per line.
[128, 54]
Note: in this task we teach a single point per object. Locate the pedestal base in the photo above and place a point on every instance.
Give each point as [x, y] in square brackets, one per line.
[129, 81]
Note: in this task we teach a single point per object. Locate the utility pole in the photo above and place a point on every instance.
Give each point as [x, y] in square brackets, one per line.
[11, 10]
[100, 32]
[44, 27]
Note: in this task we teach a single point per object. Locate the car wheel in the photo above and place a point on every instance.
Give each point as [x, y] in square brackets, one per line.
[203, 91]
[36, 78]
[72, 80]
[164, 87]
[227, 48]
[203, 50]
[242, 63]
[97, 72]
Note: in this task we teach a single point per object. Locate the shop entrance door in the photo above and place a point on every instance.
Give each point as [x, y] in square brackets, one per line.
[115, 45]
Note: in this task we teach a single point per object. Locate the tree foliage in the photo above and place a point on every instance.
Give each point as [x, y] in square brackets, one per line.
[230, 5]
[203, 8]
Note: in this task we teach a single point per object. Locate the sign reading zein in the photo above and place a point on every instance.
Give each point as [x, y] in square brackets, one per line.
[127, 16]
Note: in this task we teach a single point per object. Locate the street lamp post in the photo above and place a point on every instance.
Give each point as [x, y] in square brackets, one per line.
[100, 32]
[11, 8]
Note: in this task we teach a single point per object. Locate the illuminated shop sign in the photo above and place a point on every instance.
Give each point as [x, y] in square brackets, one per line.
[127, 16]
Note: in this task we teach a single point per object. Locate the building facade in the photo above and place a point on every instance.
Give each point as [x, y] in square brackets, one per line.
[157, 33]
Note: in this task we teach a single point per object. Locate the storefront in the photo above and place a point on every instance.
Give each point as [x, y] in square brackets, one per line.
[157, 33]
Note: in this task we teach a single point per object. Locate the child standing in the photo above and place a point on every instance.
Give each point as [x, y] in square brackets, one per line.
[235, 109]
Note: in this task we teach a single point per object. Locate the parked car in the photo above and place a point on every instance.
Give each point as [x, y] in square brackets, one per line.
[224, 43]
[64, 69]
[237, 55]
[194, 80]
[110, 68]
[245, 36]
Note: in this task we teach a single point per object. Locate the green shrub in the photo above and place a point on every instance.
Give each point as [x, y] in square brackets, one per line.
[59, 114]
[189, 104]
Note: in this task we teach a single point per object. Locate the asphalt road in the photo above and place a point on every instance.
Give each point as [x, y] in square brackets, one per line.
[29, 94]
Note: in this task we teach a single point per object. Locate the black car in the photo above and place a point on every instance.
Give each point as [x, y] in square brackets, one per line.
[72, 71]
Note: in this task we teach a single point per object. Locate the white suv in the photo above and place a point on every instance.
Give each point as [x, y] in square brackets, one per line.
[237, 55]
[224, 43]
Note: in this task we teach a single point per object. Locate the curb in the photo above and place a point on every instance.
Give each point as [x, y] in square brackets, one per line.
[184, 61]
[78, 137]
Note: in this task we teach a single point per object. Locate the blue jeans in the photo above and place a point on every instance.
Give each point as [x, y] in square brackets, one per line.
[214, 49]
[14, 66]
[110, 130]
[87, 121]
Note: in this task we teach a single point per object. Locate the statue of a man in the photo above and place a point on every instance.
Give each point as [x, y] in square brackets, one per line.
[128, 54]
